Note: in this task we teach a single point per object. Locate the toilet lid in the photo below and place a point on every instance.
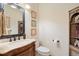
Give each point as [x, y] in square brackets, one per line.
[43, 49]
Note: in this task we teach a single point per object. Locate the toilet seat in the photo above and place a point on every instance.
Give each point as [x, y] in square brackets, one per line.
[43, 50]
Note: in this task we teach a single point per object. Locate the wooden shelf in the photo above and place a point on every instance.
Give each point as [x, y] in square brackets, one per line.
[74, 37]
[73, 48]
[74, 30]
[74, 23]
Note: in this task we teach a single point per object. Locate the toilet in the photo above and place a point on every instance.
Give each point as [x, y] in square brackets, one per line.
[42, 51]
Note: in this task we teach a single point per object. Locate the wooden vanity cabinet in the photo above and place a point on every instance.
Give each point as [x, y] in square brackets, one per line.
[28, 50]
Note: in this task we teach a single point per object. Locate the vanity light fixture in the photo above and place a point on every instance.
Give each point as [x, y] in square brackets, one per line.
[27, 6]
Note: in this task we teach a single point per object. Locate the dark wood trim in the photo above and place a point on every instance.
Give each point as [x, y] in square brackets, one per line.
[73, 8]
[69, 35]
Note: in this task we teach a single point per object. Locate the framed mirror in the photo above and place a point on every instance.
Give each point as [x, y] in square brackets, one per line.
[12, 20]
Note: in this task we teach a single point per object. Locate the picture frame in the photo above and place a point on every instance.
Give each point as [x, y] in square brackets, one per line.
[33, 14]
[33, 32]
[20, 27]
[33, 23]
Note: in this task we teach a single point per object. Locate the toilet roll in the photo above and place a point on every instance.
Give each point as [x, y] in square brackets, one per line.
[56, 43]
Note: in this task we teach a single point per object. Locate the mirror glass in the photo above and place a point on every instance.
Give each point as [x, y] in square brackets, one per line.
[12, 22]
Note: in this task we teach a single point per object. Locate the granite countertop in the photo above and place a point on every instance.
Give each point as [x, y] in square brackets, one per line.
[8, 46]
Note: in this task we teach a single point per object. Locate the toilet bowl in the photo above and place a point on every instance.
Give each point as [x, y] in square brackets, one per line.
[42, 51]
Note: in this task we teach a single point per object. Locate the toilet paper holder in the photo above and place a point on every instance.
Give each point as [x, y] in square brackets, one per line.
[58, 41]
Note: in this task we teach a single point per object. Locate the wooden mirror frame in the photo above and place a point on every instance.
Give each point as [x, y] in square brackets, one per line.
[23, 15]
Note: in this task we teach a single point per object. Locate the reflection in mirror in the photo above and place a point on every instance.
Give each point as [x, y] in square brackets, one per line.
[12, 20]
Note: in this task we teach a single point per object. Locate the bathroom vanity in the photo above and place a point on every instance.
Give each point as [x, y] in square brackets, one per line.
[18, 48]
[12, 28]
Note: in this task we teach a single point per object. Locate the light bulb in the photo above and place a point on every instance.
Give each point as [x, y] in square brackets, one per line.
[28, 6]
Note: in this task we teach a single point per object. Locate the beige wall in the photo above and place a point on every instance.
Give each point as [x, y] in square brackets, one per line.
[54, 25]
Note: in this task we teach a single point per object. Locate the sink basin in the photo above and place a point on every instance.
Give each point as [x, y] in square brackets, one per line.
[8, 46]
[4, 40]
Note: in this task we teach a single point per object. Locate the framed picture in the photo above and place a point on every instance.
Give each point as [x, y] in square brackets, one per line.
[20, 27]
[33, 14]
[33, 23]
[33, 32]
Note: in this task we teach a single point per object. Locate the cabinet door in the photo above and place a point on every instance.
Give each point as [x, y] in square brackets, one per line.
[32, 51]
[28, 52]
[25, 53]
